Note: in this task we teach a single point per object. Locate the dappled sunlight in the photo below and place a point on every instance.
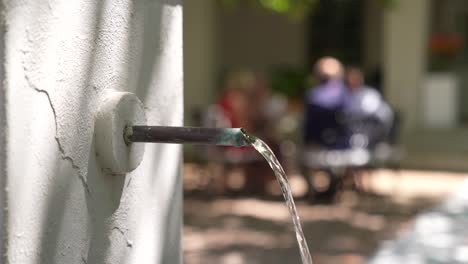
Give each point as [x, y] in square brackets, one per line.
[214, 238]
[345, 229]
[277, 212]
[410, 184]
[223, 229]
[438, 235]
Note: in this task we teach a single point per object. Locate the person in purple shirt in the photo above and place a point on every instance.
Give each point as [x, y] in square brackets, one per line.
[369, 117]
[324, 124]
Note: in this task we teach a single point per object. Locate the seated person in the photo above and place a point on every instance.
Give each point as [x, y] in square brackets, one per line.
[324, 124]
[368, 117]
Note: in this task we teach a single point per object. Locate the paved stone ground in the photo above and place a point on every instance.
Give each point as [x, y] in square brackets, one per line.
[254, 230]
[437, 236]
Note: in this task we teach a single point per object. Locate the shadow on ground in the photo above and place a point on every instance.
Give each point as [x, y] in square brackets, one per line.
[252, 230]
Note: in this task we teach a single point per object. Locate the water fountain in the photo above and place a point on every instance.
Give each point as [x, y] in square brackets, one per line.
[121, 130]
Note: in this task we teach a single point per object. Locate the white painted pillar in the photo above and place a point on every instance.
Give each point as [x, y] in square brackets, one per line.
[405, 56]
[3, 154]
[61, 58]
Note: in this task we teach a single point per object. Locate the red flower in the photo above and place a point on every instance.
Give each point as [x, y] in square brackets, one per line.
[445, 43]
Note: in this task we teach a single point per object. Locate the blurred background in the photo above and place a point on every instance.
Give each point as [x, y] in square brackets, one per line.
[250, 63]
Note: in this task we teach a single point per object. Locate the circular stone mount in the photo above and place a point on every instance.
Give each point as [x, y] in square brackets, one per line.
[117, 111]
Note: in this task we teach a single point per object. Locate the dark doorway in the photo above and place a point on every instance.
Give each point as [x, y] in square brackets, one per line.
[336, 29]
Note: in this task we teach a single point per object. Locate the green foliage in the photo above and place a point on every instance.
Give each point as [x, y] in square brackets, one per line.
[389, 3]
[293, 8]
[289, 81]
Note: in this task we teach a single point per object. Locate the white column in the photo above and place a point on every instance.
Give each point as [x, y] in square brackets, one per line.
[61, 58]
[405, 55]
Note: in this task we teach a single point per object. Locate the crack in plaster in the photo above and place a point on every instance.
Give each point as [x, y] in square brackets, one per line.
[63, 155]
[119, 230]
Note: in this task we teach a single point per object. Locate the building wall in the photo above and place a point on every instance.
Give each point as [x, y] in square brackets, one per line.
[61, 58]
[200, 49]
[372, 48]
[405, 60]
[252, 37]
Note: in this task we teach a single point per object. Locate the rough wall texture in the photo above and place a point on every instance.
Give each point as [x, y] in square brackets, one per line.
[61, 58]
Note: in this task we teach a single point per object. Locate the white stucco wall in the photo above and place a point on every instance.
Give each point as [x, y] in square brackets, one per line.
[61, 58]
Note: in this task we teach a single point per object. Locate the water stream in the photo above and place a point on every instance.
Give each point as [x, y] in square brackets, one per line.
[268, 154]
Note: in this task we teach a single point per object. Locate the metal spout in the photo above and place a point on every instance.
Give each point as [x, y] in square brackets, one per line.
[235, 137]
